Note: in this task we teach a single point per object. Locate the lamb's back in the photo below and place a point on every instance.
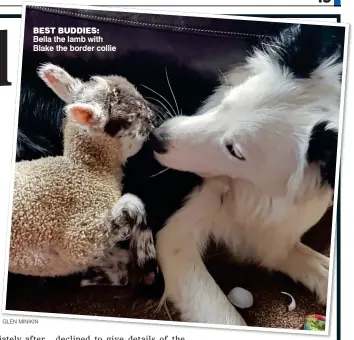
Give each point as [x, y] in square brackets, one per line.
[53, 194]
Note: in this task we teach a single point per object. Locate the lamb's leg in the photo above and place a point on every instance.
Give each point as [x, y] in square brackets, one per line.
[309, 267]
[128, 222]
[142, 246]
[111, 268]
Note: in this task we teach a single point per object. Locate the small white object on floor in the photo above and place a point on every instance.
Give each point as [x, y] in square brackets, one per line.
[240, 297]
[292, 305]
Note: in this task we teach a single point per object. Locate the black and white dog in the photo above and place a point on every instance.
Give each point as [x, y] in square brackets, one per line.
[253, 169]
[265, 143]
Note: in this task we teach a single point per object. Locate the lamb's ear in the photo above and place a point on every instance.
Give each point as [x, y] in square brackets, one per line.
[84, 114]
[60, 81]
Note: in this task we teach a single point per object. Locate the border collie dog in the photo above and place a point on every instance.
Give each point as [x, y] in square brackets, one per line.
[265, 143]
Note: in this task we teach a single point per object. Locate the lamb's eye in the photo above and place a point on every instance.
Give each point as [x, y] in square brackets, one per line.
[114, 125]
[235, 152]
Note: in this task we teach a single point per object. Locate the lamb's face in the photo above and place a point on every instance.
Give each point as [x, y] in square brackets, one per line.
[120, 110]
[105, 104]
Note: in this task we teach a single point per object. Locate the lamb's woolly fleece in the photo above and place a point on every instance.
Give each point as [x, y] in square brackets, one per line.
[61, 206]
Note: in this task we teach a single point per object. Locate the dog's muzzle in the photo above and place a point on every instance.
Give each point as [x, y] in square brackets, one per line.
[159, 141]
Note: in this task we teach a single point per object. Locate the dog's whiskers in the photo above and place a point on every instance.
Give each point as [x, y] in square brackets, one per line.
[173, 95]
[160, 172]
[169, 114]
[162, 104]
[159, 113]
[162, 97]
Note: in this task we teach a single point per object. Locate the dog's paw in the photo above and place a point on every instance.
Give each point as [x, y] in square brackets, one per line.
[315, 273]
[308, 267]
[320, 277]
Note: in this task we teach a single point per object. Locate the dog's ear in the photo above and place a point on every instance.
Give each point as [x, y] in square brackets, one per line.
[60, 81]
[323, 150]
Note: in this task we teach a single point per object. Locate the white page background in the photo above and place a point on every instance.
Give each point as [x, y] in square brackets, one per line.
[52, 327]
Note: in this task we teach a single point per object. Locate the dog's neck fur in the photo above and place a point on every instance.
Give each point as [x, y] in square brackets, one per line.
[96, 150]
[249, 204]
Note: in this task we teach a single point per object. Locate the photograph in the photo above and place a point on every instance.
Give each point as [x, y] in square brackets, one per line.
[176, 167]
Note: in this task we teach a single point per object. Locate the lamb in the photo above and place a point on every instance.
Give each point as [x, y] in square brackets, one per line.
[68, 213]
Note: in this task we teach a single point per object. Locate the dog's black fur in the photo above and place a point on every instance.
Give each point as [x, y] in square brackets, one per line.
[302, 48]
[323, 149]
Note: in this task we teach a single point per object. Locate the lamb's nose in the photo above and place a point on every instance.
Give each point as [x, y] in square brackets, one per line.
[158, 140]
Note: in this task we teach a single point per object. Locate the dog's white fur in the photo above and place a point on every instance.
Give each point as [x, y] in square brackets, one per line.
[260, 207]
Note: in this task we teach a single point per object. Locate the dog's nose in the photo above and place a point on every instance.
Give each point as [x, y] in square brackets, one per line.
[158, 140]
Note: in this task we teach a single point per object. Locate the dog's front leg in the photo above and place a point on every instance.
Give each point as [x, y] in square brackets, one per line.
[309, 267]
[188, 284]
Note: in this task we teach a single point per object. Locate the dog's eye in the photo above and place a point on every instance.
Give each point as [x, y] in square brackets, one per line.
[235, 152]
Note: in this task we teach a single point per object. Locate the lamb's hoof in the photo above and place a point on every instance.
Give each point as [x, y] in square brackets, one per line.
[152, 284]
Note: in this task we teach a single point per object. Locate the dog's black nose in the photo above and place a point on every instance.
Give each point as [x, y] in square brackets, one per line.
[158, 140]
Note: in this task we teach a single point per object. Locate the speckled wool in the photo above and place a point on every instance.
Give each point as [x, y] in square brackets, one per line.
[60, 205]
[67, 211]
